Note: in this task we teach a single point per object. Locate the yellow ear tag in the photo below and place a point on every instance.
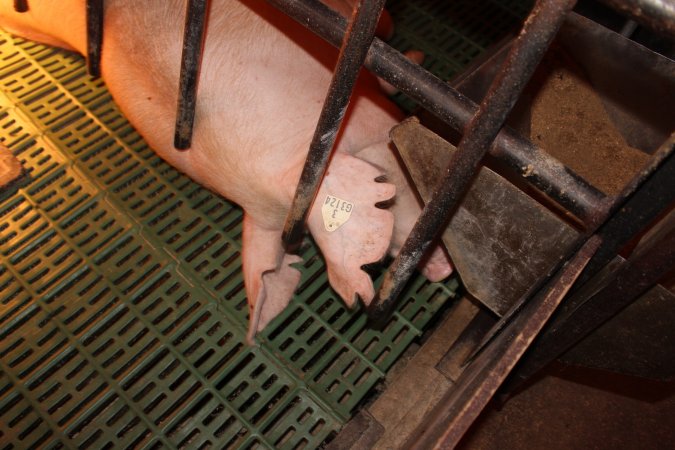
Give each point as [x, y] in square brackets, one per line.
[335, 212]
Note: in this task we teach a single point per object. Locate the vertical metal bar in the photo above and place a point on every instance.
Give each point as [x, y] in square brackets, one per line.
[94, 14]
[539, 30]
[21, 5]
[193, 40]
[358, 38]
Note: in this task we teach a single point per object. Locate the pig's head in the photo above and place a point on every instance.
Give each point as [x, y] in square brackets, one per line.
[350, 227]
[365, 208]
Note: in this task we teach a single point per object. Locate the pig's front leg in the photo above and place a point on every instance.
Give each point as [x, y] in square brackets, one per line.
[268, 276]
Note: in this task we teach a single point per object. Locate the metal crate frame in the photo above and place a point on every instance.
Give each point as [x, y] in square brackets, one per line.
[609, 222]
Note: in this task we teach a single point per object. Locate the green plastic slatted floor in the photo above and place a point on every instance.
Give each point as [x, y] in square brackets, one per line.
[122, 305]
[452, 33]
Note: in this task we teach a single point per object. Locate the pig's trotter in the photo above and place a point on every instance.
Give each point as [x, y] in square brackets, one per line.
[349, 227]
[436, 265]
[270, 280]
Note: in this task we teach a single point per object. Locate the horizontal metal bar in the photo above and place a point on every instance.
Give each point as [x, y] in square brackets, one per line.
[357, 40]
[539, 30]
[538, 168]
[659, 15]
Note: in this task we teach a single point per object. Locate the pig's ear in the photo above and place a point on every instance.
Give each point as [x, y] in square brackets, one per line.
[348, 225]
[270, 280]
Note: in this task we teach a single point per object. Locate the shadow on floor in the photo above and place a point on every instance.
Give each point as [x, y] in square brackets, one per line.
[573, 408]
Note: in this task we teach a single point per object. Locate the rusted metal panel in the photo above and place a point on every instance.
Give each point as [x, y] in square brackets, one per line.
[641, 202]
[500, 240]
[639, 341]
[597, 303]
[539, 30]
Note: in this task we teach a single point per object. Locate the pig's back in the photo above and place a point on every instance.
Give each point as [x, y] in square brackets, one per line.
[260, 94]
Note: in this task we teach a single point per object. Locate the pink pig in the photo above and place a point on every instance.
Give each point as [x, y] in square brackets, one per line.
[262, 85]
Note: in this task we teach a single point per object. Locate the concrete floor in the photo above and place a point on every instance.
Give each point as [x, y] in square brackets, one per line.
[578, 408]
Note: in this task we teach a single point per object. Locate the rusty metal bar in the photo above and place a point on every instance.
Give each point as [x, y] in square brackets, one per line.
[94, 17]
[193, 40]
[632, 279]
[644, 199]
[357, 40]
[647, 196]
[21, 5]
[659, 15]
[447, 423]
[539, 30]
[519, 154]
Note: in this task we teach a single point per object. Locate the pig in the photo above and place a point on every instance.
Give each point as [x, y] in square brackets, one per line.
[262, 84]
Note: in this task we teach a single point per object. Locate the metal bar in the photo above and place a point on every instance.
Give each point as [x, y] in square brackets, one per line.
[519, 154]
[447, 423]
[539, 30]
[21, 5]
[357, 40]
[641, 202]
[94, 13]
[632, 279]
[632, 213]
[659, 15]
[193, 40]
